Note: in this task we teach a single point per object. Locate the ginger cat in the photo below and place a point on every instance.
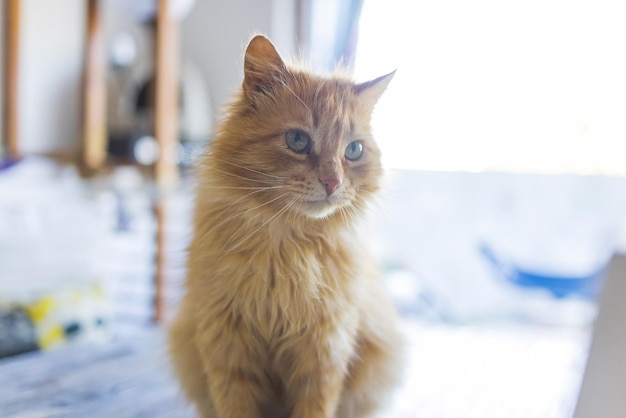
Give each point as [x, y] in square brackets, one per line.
[283, 314]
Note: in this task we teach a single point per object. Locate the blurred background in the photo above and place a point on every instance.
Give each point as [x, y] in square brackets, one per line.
[501, 135]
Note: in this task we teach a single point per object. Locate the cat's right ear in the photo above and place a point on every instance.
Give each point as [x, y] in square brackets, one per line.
[371, 91]
[262, 65]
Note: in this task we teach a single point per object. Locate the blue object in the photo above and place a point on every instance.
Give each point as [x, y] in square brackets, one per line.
[560, 286]
[7, 163]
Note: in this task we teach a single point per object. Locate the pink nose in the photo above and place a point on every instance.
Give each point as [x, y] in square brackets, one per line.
[330, 184]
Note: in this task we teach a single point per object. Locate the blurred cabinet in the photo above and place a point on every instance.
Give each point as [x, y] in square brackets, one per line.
[94, 110]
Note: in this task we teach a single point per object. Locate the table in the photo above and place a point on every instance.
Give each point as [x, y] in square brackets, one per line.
[129, 377]
[451, 372]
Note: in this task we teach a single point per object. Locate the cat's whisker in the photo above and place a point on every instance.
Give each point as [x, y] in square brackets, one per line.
[295, 212]
[253, 233]
[255, 190]
[251, 170]
[286, 186]
[266, 181]
[259, 190]
[275, 218]
[342, 212]
[289, 206]
[246, 222]
[239, 214]
[297, 97]
[352, 211]
[317, 91]
[349, 213]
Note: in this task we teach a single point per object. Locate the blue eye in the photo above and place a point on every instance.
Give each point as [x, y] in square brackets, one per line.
[354, 150]
[298, 141]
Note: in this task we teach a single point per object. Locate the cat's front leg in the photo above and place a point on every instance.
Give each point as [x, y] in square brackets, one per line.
[319, 374]
[317, 395]
[234, 374]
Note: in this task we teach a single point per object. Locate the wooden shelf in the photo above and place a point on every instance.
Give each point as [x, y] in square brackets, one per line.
[11, 40]
[94, 133]
[94, 117]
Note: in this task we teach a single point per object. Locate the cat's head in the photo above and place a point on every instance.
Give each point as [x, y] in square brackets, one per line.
[297, 141]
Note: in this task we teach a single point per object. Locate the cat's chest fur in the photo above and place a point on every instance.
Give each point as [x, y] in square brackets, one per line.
[283, 280]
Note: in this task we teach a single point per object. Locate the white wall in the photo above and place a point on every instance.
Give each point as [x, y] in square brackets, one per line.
[215, 34]
[52, 35]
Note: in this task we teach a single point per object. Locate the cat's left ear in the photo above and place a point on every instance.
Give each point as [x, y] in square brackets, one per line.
[262, 65]
[371, 90]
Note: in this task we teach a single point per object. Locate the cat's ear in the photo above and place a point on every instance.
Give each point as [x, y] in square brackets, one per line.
[262, 65]
[370, 91]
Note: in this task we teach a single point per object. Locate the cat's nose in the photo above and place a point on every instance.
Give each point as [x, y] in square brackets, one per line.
[331, 184]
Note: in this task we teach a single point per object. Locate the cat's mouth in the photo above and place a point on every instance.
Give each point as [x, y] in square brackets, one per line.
[322, 208]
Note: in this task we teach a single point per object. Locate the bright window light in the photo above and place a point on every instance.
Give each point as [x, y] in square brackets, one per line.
[531, 86]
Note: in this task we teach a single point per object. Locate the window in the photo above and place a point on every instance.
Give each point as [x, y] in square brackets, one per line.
[531, 86]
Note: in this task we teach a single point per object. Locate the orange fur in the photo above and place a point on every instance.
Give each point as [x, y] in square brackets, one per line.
[283, 314]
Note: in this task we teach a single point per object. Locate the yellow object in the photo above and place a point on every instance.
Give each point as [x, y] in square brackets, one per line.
[70, 315]
[38, 310]
[52, 337]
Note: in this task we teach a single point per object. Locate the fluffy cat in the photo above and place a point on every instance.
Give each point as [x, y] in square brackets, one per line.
[283, 314]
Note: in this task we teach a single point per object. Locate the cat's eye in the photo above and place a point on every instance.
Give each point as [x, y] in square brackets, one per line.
[354, 150]
[298, 141]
